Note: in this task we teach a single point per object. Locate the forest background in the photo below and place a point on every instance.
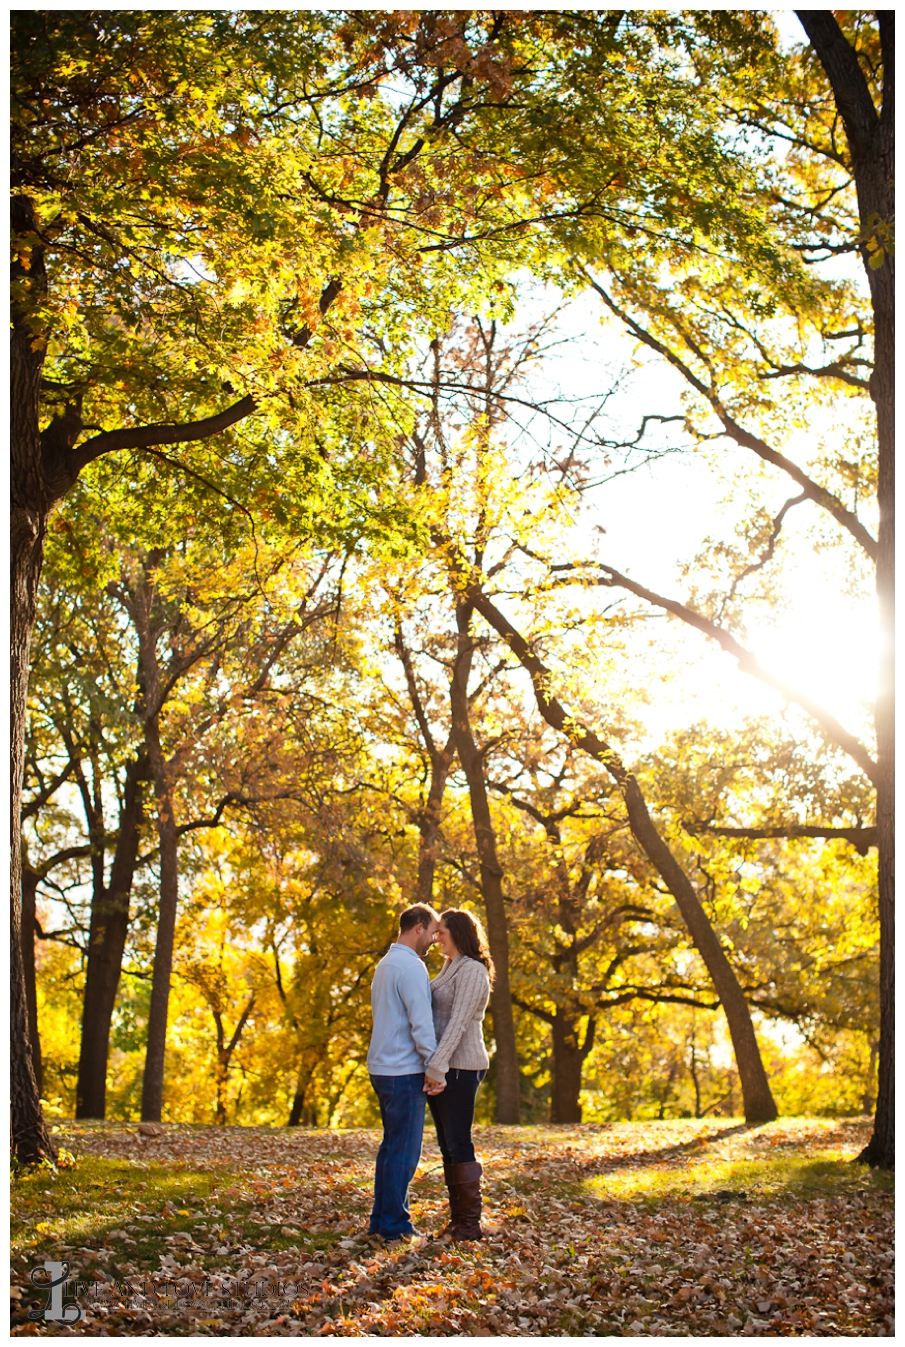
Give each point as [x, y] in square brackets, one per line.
[416, 408]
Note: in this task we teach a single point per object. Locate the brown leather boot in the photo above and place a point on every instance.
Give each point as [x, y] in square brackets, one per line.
[465, 1195]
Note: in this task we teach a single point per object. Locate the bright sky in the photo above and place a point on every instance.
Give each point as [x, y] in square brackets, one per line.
[657, 517]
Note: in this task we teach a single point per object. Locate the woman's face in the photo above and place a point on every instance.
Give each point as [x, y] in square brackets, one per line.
[446, 942]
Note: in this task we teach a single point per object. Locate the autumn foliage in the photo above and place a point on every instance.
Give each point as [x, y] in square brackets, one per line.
[316, 610]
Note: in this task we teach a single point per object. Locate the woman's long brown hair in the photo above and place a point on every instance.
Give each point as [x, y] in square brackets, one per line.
[468, 936]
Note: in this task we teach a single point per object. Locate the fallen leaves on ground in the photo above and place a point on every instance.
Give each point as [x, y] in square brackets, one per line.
[690, 1227]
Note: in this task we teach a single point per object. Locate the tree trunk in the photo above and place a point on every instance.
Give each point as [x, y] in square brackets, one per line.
[881, 1148]
[568, 1059]
[29, 895]
[440, 760]
[867, 1099]
[152, 1085]
[225, 1055]
[568, 1055]
[429, 821]
[30, 1137]
[221, 1072]
[142, 604]
[507, 1074]
[106, 944]
[31, 505]
[871, 138]
[759, 1103]
[301, 1114]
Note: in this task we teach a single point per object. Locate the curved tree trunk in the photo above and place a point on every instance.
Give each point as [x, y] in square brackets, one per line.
[881, 1148]
[759, 1102]
[507, 1074]
[871, 139]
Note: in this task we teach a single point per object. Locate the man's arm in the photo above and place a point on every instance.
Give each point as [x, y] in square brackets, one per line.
[414, 989]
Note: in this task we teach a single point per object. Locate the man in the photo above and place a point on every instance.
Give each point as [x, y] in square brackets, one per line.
[401, 1042]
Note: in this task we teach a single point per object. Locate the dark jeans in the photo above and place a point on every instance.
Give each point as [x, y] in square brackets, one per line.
[453, 1115]
[401, 1101]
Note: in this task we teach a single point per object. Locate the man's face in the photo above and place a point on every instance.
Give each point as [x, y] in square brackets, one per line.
[426, 937]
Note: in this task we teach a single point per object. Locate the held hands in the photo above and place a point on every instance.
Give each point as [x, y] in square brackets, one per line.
[433, 1086]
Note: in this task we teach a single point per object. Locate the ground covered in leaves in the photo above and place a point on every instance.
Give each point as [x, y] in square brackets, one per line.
[697, 1227]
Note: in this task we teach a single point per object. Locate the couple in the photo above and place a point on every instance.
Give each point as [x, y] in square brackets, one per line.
[427, 1044]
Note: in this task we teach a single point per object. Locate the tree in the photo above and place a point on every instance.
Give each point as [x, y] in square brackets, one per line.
[762, 341]
[759, 1104]
[797, 906]
[461, 531]
[464, 525]
[211, 969]
[473, 373]
[591, 931]
[80, 718]
[870, 132]
[135, 291]
[226, 628]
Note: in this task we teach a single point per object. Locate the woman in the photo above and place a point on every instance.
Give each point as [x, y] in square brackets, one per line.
[459, 995]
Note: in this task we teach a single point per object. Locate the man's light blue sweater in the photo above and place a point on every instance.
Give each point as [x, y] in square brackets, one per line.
[403, 1036]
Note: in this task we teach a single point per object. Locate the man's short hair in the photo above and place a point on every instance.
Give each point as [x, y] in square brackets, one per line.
[420, 915]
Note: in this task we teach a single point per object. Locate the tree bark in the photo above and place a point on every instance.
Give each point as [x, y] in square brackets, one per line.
[759, 1102]
[300, 1113]
[567, 1063]
[429, 837]
[568, 1055]
[141, 608]
[441, 760]
[31, 504]
[168, 837]
[29, 894]
[507, 1073]
[108, 929]
[871, 139]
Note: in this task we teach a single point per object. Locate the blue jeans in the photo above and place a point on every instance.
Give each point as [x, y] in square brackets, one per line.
[401, 1100]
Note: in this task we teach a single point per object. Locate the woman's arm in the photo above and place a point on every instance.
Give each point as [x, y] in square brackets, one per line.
[472, 984]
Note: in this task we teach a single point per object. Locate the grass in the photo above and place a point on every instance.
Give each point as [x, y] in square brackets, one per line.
[81, 1207]
[790, 1175]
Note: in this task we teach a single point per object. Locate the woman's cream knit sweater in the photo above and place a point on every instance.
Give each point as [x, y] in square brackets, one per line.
[459, 995]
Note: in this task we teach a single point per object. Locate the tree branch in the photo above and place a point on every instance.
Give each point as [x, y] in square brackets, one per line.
[36, 804]
[746, 662]
[145, 437]
[834, 371]
[744, 438]
[861, 838]
[231, 1045]
[850, 89]
[43, 868]
[414, 695]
